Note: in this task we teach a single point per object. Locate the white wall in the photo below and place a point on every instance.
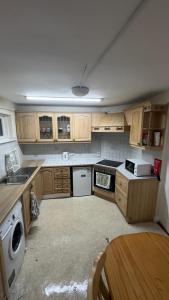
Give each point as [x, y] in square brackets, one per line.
[7, 147]
[39, 108]
[163, 199]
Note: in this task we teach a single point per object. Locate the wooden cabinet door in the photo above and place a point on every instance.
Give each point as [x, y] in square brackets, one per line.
[26, 204]
[45, 127]
[128, 116]
[136, 126]
[47, 181]
[64, 127]
[2, 283]
[37, 185]
[108, 119]
[82, 127]
[26, 127]
[97, 119]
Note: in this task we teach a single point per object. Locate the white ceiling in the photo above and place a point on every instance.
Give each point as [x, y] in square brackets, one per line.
[45, 44]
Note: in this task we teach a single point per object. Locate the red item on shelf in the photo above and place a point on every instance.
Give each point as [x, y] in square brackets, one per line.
[157, 166]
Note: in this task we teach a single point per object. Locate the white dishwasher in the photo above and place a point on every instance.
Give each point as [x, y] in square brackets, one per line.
[82, 179]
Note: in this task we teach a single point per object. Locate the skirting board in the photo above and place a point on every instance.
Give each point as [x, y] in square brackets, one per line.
[56, 196]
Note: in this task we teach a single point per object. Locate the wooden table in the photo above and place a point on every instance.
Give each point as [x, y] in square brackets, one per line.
[137, 267]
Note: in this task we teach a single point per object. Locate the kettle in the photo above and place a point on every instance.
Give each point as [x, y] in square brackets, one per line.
[65, 155]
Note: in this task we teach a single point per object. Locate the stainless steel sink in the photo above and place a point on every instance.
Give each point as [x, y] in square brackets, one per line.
[19, 177]
[14, 179]
[25, 171]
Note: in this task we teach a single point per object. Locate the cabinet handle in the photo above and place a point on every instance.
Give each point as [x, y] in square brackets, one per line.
[107, 128]
[119, 128]
[119, 199]
[96, 128]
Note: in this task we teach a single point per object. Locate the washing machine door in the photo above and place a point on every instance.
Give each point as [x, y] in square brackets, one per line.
[16, 239]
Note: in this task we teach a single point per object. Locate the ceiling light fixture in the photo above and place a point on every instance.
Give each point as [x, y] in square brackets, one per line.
[80, 91]
[63, 99]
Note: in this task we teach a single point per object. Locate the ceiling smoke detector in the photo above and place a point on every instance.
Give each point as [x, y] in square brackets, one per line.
[80, 90]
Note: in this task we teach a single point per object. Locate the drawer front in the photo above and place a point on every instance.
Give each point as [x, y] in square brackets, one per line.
[58, 183]
[61, 172]
[121, 201]
[61, 184]
[62, 190]
[121, 182]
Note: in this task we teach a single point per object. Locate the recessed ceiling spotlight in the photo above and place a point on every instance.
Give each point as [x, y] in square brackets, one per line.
[63, 99]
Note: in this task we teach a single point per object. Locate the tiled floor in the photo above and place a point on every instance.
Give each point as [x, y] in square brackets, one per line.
[63, 244]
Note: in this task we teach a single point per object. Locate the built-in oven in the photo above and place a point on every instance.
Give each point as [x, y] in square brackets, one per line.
[104, 178]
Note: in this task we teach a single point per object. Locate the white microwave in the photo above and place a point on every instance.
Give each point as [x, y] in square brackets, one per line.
[138, 167]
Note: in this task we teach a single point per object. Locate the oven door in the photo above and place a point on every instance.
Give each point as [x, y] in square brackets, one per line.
[103, 180]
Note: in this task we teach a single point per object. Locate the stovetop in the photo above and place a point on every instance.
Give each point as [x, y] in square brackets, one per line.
[110, 163]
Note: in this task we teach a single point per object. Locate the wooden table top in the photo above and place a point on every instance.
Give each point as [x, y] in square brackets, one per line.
[137, 267]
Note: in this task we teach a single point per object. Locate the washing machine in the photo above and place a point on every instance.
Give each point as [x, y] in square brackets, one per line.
[13, 244]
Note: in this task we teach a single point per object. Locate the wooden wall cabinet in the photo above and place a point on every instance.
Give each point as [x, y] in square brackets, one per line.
[26, 127]
[144, 121]
[136, 198]
[108, 122]
[82, 127]
[53, 127]
[64, 127]
[45, 127]
[136, 126]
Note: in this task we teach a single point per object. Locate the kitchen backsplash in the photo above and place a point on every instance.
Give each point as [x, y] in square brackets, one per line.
[115, 146]
[110, 146]
[145, 155]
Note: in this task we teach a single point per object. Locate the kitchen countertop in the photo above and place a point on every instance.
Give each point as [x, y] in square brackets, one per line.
[131, 176]
[9, 194]
[78, 161]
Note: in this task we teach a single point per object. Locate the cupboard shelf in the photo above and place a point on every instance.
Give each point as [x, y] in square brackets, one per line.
[144, 121]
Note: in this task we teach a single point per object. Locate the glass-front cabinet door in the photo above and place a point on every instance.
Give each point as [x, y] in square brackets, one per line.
[45, 127]
[64, 127]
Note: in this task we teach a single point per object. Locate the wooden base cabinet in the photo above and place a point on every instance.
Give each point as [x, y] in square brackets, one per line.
[47, 180]
[56, 182]
[26, 206]
[136, 198]
[36, 187]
